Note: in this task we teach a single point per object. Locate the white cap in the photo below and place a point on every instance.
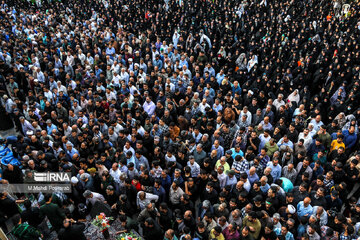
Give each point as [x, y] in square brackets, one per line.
[74, 180]
[291, 209]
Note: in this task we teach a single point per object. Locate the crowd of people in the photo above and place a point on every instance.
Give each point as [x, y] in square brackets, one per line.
[197, 119]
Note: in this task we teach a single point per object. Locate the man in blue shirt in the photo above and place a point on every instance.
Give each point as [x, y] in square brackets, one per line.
[285, 141]
[304, 208]
[70, 151]
[220, 150]
[349, 138]
[275, 168]
[157, 62]
[159, 190]
[110, 51]
[50, 126]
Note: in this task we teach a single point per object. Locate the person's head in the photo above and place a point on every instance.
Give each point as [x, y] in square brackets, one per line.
[284, 230]
[209, 187]
[48, 197]
[306, 162]
[66, 223]
[201, 227]
[340, 138]
[149, 223]
[307, 201]
[252, 216]
[169, 234]
[175, 185]
[245, 232]
[177, 173]
[217, 231]
[269, 228]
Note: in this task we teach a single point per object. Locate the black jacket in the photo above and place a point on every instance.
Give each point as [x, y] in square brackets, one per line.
[73, 232]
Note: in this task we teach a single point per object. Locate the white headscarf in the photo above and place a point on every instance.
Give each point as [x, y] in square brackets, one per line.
[294, 97]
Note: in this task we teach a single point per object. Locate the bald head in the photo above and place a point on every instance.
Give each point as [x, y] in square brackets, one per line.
[307, 201]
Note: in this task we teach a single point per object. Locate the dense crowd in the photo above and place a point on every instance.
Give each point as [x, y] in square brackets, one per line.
[197, 119]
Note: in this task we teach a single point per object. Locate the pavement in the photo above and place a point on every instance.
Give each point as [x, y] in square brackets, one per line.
[10, 132]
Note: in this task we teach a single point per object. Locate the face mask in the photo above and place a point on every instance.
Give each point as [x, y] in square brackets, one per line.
[208, 189]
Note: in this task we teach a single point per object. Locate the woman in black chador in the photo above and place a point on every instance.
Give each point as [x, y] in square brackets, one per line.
[6, 122]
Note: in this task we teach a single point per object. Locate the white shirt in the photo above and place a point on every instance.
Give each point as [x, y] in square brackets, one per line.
[48, 95]
[149, 107]
[96, 197]
[110, 96]
[307, 140]
[116, 79]
[202, 107]
[278, 103]
[115, 174]
[222, 180]
[248, 114]
[70, 60]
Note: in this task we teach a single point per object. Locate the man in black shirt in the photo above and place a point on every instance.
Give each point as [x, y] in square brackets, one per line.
[8, 210]
[72, 230]
[31, 214]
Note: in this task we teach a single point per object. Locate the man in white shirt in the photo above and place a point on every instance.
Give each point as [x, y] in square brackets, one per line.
[203, 105]
[279, 101]
[221, 176]
[115, 173]
[110, 95]
[60, 87]
[149, 106]
[124, 75]
[93, 197]
[307, 138]
[116, 79]
[246, 112]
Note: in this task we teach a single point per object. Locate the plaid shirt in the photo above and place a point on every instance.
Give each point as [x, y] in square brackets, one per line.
[157, 172]
[343, 237]
[241, 166]
[243, 213]
[264, 160]
[163, 129]
[259, 168]
[328, 184]
[323, 234]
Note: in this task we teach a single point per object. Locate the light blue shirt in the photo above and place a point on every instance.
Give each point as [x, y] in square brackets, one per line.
[265, 188]
[72, 152]
[220, 151]
[289, 143]
[302, 210]
[219, 78]
[316, 125]
[287, 185]
[234, 154]
[288, 236]
[275, 170]
[49, 129]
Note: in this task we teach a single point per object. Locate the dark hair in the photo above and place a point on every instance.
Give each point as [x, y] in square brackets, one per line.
[27, 204]
[270, 225]
[217, 229]
[47, 197]
[122, 218]
[209, 215]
